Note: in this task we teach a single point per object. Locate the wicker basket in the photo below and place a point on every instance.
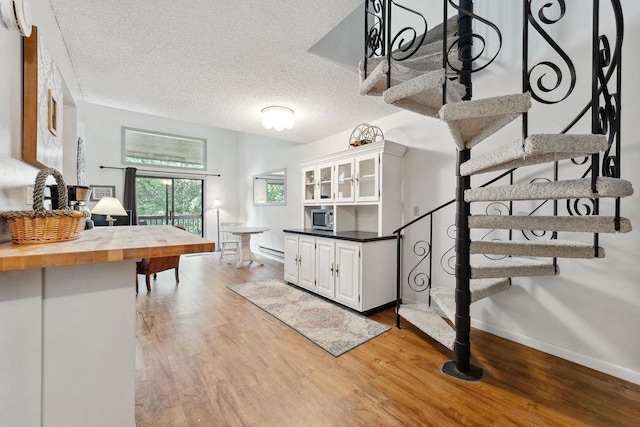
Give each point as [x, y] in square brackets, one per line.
[46, 226]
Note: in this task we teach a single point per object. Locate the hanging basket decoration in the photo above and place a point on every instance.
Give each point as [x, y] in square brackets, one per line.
[46, 226]
[365, 134]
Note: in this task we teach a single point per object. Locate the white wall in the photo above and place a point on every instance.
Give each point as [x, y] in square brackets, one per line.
[589, 313]
[257, 156]
[103, 143]
[227, 151]
[20, 302]
[15, 174]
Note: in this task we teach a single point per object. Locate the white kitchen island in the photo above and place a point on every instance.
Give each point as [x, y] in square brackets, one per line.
[68, 325]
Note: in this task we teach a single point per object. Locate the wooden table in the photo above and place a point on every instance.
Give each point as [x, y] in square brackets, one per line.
[68, 324]
[245, 243]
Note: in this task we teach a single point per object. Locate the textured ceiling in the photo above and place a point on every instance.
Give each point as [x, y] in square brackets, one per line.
[216, 63]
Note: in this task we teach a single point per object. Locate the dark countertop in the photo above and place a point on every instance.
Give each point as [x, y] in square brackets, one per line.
[353, 236]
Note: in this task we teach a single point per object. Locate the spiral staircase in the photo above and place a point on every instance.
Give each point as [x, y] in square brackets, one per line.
[435, 81]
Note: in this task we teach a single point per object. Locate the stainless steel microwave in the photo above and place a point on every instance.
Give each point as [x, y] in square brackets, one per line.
[322, 219]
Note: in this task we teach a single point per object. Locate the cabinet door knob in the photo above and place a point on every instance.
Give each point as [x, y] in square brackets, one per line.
[331, 269]
[337, 272]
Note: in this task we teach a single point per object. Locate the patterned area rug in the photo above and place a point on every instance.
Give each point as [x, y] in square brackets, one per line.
[335, 329]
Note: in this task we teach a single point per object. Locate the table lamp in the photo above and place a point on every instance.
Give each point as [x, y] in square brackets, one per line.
[109, 206]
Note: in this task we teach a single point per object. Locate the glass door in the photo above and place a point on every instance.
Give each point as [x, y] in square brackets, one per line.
[367, 178]
[325, 184]
[344, 181]
[309, 185]
[171, 201]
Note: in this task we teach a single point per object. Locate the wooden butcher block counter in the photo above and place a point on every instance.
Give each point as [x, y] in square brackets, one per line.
[104, 244]
[68, 324]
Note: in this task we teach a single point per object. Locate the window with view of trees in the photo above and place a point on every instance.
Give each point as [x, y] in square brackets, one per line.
[172, 201]
[154, 148]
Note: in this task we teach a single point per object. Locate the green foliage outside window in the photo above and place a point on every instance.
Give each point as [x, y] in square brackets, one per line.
[275, 192]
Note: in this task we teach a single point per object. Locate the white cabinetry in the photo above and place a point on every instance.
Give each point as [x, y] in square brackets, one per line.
[363, 185]
[299, 260]
[367, 178]
[318, 184]
[349, 272]
[325, 268]
[345, 181]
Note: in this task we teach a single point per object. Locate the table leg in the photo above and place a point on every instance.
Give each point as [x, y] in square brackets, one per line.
[246, 254]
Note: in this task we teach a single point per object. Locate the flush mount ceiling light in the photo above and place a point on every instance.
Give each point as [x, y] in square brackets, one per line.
[279, 118]
[16, 15]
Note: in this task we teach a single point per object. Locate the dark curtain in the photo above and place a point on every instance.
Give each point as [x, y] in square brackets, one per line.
[129, 201]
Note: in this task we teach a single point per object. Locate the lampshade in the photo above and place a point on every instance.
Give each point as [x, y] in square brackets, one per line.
[217, 204]
[109, 206]
[276, 117]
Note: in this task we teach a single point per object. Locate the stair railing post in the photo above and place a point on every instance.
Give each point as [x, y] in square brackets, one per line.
[389, 3]
[461, 367]
[398, 284]
[366, 37]
[465, 46]
[595, 110]
[445, 31]
[618, 65]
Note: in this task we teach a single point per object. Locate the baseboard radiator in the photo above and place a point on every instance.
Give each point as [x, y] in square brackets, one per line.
[273, 252]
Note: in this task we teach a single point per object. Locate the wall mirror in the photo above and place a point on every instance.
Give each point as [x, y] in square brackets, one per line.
[270, 188]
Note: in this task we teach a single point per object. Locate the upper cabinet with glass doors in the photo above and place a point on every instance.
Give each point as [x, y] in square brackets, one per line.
[345, 180]
[318, 184]
[369, 176]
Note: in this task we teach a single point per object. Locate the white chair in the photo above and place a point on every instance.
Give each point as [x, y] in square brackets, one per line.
[229, 243]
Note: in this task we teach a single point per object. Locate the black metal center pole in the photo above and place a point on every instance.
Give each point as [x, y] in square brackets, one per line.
[461, 367]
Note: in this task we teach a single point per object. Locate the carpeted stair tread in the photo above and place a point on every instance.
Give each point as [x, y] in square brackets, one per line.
[470, 122]
[427, 58]
[571, 189]
[435, 34]
[428, 321]
[538, 248]
[376, 82]
[536, 149]
[586, 224]
[423, 94]
[512, 267]
[480, 288]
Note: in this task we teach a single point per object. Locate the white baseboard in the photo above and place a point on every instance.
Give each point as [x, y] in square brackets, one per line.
[581, 359]
[572, 356]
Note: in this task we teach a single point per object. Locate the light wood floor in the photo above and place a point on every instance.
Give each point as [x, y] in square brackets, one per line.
[208, 357]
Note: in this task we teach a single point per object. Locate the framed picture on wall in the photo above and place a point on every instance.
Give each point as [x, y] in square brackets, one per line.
[42, 105]
[100, 191]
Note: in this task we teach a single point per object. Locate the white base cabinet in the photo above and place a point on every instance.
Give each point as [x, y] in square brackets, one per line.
[325, 268]
[300, 258]
[352, 273]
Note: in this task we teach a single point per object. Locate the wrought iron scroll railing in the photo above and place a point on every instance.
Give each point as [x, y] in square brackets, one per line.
[417, 280]
[603, 104]
[401, 42]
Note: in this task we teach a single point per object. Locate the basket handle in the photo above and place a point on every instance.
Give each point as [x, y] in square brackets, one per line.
[38, 190]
